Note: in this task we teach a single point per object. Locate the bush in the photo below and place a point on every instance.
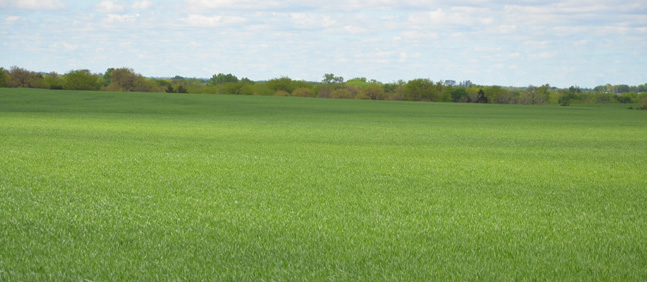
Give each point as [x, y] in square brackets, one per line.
[627, 98]
[281, 93]
[53, 81]
[373, 92]
[341, 94]
[362, 96]
[303, 92]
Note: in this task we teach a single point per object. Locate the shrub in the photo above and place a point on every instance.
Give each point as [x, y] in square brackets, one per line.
[281, 93]
[341, 94]
[373, 92]
[362, 96]
[303, 92]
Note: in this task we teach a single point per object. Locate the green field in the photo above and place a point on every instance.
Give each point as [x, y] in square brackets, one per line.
[146, 186]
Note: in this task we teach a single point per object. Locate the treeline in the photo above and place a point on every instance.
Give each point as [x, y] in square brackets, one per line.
[331, 86]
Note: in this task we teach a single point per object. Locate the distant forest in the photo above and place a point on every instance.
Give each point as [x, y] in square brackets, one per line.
[331, 86]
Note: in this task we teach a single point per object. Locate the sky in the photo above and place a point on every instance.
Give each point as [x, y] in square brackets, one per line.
[581, 43]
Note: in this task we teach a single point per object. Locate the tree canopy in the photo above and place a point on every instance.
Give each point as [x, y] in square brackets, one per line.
[331, 86]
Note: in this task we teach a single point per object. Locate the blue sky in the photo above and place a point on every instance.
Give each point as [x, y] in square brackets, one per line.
[530, 42]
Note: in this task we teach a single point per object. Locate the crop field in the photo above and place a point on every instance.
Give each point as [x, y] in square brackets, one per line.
[106, 186]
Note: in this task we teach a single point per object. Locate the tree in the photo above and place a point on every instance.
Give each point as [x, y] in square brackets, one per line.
[459, 94]
[107, 76]
[3, 77]
[181, 89]
[359, 82]
[622, 88]
[19, 77]
[53, 81]
[222, 78]
[535, 95]
[81, 80]
[373, 92]
[499, 95]
[281, 84]
[122, 79]
[125, 79]
[423, 90]
[237, 88]
[480, 97]
[628, 97]
[330, 78]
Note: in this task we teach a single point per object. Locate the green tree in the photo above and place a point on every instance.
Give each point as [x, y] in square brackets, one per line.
[81, 80]
[181, 89]
[499, 95]
[423, 90]
[281, 84]
[629, 97]
[53, 81]
[107, 76]
[358, 82]
[222, 78]
[3, 77]
[330, 78]
[622, 88]
[459, 94]
[237, 88]
[535, 95]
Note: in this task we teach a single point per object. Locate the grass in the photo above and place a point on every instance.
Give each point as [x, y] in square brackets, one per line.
[137, 186]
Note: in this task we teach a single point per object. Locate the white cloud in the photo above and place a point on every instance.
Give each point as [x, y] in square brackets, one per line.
[33, 4]
[544, 55]
[212, 21]
[142, 5]
[311, 20]
[202, 5]
[447, 18]
[504, 28]
[114, 18]
[414, 35]
[66, 46]
[109, 7]
[11, 20]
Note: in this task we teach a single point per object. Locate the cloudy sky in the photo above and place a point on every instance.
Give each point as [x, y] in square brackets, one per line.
[512, 43]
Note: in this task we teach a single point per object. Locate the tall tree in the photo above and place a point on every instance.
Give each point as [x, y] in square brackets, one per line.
[107, 76]
[221, 78]
[125, 79]
[330, 78]
[19, 77]
[422, 89]
[53, 81]
[81, 80]
[3, 77]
